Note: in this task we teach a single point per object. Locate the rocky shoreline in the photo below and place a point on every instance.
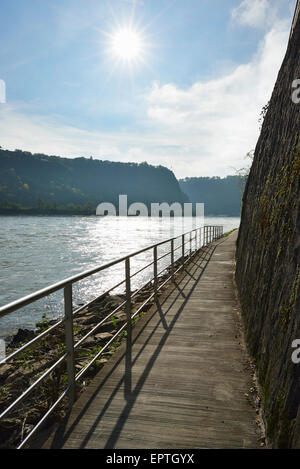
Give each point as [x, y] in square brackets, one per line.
[24, 369]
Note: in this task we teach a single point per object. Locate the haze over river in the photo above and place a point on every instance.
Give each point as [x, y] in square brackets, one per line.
[36, 251]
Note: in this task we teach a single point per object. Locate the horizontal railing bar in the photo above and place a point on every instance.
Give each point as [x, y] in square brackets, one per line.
[113, 312]
[142, 287]
[151, 280]
[55, 287]
[13, 306]
[98, 298]
[122, 304]
[32, 387]
[159, 288]
[188, 241]
[43, 334]
[50, 329]
[81, 372]
[144, 304]
[31, 342]
[116, 309]
[98, 325]
[165, 268]
[175, 272]
[151, 263]
[179, 247]
[49, 411]
[141, 270]
[164, 255]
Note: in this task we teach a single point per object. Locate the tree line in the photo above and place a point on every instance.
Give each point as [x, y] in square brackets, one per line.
[32, 183]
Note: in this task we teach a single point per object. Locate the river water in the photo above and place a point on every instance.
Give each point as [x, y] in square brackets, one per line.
[36, 251]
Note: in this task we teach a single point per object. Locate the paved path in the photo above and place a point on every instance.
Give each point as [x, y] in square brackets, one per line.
[188, 377]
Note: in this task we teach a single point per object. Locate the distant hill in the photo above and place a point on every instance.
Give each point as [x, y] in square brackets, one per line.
[221, 196]
[41, 181]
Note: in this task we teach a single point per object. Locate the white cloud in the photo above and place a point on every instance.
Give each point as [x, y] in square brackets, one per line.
[255, 13]
[218, 119]
[203, 130]
[39, 134]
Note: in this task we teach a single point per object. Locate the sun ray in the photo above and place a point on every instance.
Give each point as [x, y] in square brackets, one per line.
[129, 45]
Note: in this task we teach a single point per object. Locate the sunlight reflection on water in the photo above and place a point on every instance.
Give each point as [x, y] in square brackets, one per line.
[38, 251]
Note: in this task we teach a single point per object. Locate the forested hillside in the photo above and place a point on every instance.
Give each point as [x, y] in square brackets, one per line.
[221, 196]
[39, 181]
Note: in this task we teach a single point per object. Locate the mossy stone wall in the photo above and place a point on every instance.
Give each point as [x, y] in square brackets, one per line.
[268, 256]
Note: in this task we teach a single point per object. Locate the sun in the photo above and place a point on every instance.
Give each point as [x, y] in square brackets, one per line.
[126, 44]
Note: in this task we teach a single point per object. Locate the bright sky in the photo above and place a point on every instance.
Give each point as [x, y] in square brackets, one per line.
[171, 82]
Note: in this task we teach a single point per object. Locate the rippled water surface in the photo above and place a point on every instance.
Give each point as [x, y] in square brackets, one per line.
[38, 251]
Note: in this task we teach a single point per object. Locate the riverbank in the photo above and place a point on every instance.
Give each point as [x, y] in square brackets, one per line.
[47, 212]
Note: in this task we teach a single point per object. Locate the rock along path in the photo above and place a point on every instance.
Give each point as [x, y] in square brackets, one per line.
[188, 378]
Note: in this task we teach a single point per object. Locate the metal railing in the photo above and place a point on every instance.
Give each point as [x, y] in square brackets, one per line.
[200, 236]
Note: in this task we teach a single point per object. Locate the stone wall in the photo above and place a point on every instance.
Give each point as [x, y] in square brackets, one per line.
[296, 15]
[268, 252]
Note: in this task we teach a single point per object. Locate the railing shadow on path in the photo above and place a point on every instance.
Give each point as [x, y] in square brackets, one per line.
[190, 275]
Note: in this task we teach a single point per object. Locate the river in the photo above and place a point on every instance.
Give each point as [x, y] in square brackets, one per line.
[36, 251]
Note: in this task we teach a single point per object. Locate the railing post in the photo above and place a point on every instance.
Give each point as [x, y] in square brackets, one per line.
[128, 298]
[155, 271]
[172, 257]
[69, 337]
[183, 250]
[190, 243]
[127, 385]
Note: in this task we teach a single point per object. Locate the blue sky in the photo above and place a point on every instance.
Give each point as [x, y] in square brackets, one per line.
[190, 102]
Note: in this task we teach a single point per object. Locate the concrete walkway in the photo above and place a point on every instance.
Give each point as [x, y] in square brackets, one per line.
[188, 375]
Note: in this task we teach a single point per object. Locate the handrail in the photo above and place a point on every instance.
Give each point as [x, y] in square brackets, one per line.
[200, 236]
[26, 300]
